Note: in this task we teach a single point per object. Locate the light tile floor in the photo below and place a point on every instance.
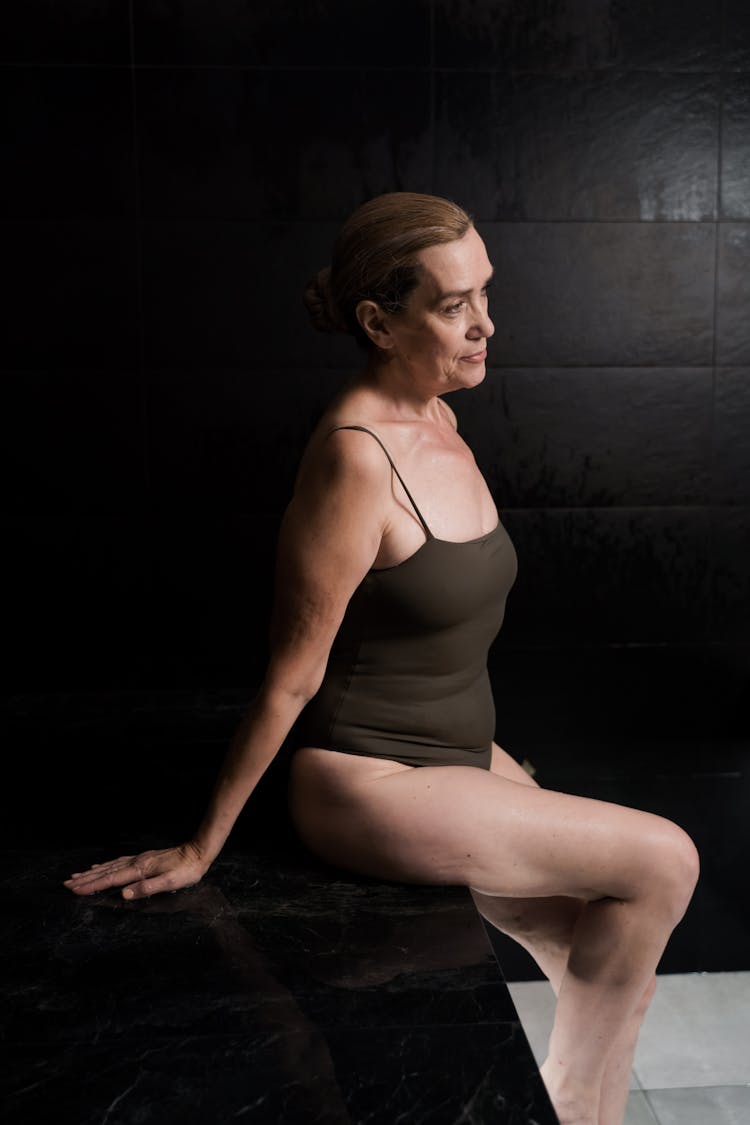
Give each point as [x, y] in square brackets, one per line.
[692, 1064]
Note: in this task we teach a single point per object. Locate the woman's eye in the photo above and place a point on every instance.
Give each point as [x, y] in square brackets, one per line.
[453, 309]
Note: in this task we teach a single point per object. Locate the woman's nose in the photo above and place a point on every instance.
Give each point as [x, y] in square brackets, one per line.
[482, 326]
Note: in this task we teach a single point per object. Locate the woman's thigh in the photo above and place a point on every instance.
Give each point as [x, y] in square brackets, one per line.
[499, 834]
[544, 926]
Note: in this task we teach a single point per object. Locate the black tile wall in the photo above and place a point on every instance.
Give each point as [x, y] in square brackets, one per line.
[599, 575]
[79, 586]
[671, 35]
[73, 442]
[231, 441]
[474, 142]
[731, 551]
[733, 285]
[731, 454]
[329, 33]
[230, 295]
[576, 34]
[237, 143]
[211, 596]
[66, 143]
[162, 213]
[73, 295]
[542, 436]
[550, 146]
[514, 35]
[79, 31]
[737, 35]
[599, 695]
[603, 294]
[735, 171]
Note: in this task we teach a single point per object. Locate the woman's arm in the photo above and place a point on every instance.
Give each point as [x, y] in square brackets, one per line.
[330, 536]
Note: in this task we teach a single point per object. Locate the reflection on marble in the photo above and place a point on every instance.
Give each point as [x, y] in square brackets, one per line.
[278, 990]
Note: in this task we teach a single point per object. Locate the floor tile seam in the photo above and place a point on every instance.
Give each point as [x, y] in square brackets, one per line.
[708, 978]
[652, 1115]
[718, 973]
[716, 1083]
[651, 1107]
[713, 1086]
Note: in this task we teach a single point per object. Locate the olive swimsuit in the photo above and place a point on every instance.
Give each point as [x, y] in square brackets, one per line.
[407, 673]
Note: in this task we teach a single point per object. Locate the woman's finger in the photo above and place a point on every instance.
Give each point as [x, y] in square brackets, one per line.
[99, 867]
[104, 882]
[140, 875]
[147, 873]
[156, 884]
[114, 874]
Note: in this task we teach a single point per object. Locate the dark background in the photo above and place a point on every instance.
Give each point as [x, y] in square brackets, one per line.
[172, 174]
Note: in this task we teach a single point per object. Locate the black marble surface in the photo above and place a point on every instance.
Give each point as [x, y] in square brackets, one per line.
[278, 990]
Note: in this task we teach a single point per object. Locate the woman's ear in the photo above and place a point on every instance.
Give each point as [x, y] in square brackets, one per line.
[374, 322]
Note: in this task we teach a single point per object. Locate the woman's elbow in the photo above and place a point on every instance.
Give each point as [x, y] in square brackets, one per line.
[296, 688]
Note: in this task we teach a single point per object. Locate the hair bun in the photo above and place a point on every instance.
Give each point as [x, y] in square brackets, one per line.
[321, 307]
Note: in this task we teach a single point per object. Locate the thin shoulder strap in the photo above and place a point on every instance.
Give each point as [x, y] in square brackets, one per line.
[398, 474]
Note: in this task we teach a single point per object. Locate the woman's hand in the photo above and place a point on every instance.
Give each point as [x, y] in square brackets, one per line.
[143, 875]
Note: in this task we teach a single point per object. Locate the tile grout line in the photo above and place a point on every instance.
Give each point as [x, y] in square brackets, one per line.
[651, 1107]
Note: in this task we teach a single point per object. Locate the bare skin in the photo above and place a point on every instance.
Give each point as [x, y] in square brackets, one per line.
[593, 890]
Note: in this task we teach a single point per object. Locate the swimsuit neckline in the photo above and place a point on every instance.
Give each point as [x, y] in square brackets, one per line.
[441, 542]
[465, 542]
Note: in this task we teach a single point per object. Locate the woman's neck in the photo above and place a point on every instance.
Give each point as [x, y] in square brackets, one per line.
[396, 387]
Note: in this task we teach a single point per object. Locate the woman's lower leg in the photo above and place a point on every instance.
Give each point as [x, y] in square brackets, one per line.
[544, 928]
[616, 1081]
[600, 957]
[615, 948]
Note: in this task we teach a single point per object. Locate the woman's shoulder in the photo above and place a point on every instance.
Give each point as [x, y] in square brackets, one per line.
[338, 441]
[337, 434]
[339, 449]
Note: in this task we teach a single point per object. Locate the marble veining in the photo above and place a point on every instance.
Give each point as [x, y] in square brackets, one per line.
[276, 991]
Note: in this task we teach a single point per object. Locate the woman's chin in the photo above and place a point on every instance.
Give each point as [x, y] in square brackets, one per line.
[471, 375]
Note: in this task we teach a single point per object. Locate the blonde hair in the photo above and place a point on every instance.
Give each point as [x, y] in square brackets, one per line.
[375, 257]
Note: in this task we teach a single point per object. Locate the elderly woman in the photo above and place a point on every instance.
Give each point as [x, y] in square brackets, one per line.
[393, 571]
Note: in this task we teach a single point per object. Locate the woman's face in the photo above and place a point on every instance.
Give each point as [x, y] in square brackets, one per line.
[442, 334]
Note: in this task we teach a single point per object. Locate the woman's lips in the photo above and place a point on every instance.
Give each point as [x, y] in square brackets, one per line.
[477, 357]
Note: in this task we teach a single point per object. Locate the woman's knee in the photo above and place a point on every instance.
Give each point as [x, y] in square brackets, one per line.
[678, 866]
